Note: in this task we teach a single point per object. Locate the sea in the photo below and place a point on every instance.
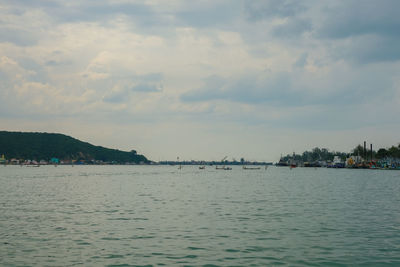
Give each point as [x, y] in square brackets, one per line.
[166, 216]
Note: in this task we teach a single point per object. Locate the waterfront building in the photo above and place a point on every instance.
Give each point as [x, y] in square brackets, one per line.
[2, 159]
[14, 161]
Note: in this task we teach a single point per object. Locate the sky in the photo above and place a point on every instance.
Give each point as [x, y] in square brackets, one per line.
[202, 80]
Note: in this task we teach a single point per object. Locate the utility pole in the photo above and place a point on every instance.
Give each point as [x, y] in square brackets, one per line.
[371, 152]
[365, 150]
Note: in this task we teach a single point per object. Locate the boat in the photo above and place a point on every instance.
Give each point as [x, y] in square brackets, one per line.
[338, 163]
[202, 167]
[223, 168]
[282, 163]
[251, 168]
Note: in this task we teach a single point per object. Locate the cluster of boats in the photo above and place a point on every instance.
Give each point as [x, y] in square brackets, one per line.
[203, 167]
[222, 166]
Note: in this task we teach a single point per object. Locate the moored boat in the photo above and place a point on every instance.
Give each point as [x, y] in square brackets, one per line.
[251, 168]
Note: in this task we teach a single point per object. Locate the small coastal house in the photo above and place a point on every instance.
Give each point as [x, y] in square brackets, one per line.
[14, 161]
[54, 161]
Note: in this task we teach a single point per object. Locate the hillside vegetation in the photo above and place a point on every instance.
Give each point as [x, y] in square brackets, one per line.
[38, 146]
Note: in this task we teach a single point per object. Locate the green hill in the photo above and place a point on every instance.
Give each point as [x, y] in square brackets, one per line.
[38, 146]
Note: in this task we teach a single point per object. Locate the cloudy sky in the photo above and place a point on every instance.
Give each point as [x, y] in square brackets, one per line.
[203, 79]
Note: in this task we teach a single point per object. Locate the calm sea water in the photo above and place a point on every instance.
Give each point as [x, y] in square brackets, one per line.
[159, 215]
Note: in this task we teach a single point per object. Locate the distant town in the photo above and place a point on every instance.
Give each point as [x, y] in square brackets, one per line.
[36, 149]
[361, 157]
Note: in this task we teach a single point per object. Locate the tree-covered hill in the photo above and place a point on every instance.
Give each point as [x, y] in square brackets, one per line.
[38, 146]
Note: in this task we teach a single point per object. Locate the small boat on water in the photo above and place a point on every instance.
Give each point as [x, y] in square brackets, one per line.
[282, 163]
[251, 168]
[223, 168]
[202, 167]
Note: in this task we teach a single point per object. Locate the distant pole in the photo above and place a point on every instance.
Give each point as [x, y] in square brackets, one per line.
[180, 166]
[365, 150]
[371, 152]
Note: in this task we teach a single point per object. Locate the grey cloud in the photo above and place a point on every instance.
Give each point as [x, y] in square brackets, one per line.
[31, 71]
[352, 18]
[301, 61]
[124, 83]
[370, 49]
[146, 88]
[143, 18]
[274, 89]
[370, 28]
[147, 83]
[339, 88]
[270, 89]
[17, 36]
[23, 4]
[213, 89]
[123, 94]
[56, 63]
[38, 73]
[206, 14]
[152, 77]
[330, 118]
[261, 9]
[116, 97]
[293, 28]
[3, 77]
[97, 11]
[139, 16]
[140, 13]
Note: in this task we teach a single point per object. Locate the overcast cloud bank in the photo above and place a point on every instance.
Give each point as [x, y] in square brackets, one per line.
[203, 79]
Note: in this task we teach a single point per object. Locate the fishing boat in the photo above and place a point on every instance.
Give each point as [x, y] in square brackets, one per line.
[282, 163]
[251, 168]
[223, 168]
